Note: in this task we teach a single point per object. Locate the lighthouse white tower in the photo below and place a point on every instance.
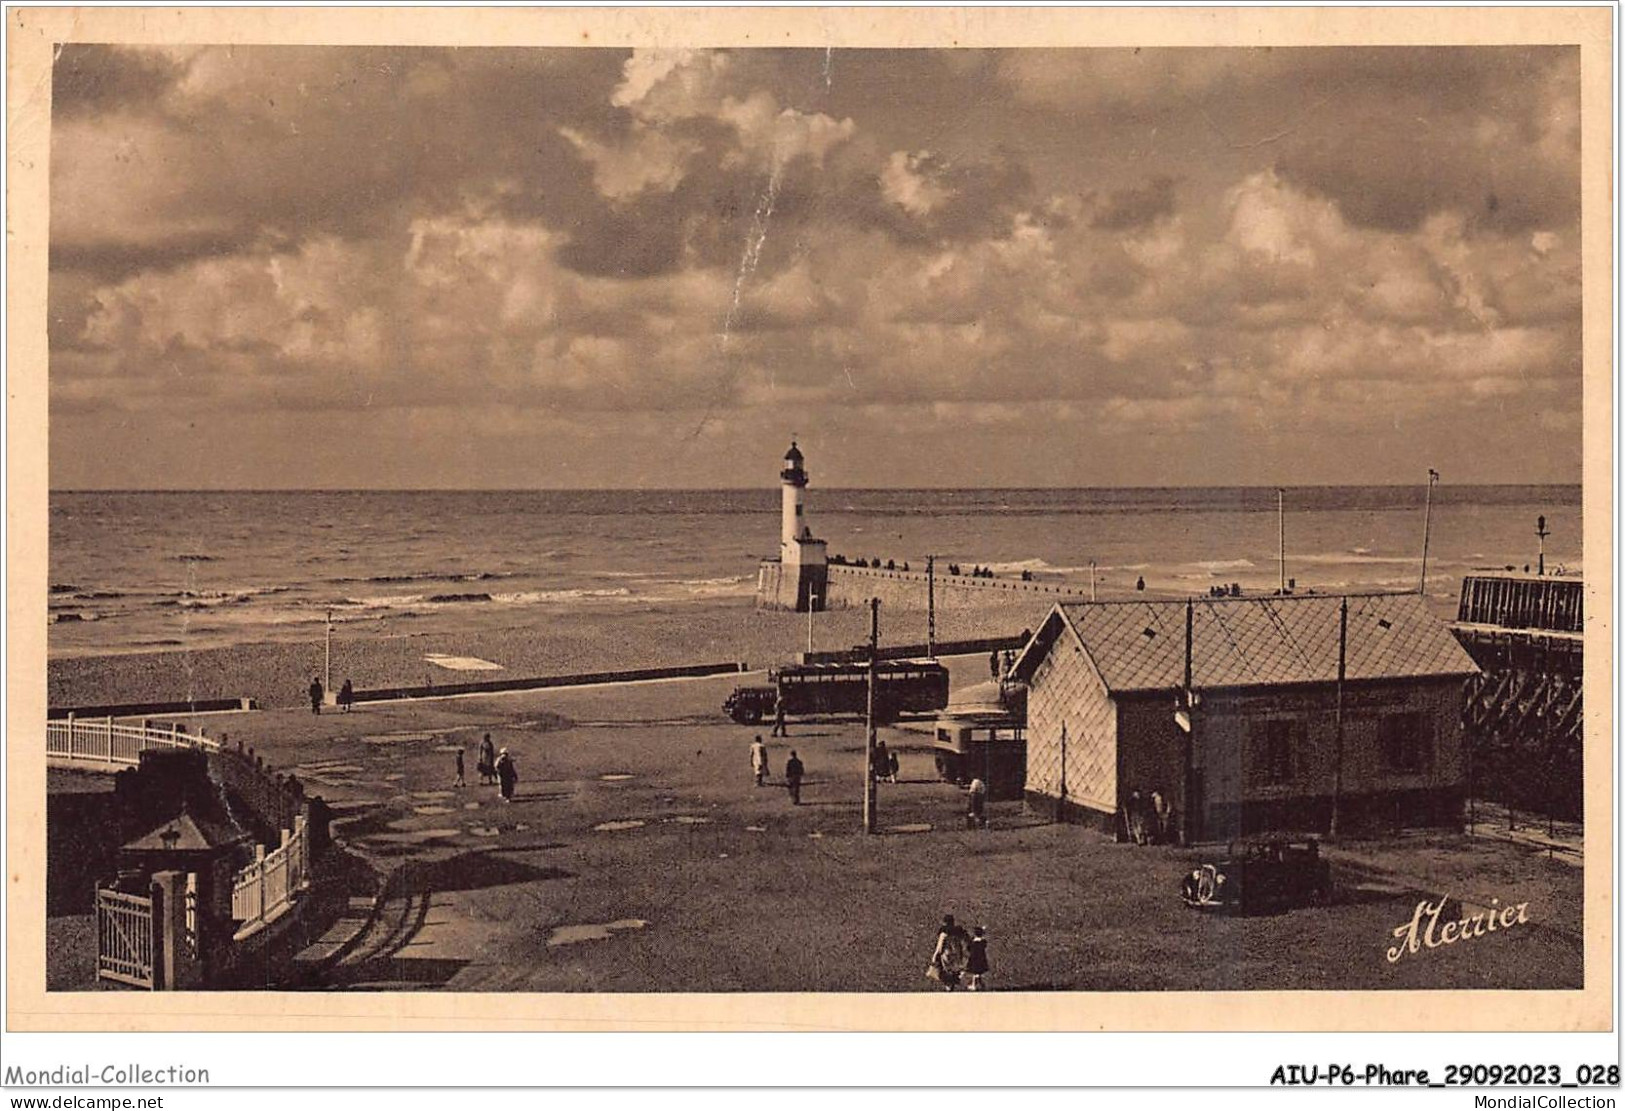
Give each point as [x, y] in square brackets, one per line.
[794, 477]
[803, 571]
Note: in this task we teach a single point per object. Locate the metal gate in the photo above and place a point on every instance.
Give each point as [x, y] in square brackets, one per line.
[124, 938]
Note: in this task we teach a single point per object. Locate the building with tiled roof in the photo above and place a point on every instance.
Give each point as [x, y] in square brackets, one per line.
[1255, 744]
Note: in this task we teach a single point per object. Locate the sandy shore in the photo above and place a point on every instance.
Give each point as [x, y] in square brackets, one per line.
[552, 644]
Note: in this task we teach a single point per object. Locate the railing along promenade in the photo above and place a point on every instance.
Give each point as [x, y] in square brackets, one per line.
[108, 744]
[261, 891]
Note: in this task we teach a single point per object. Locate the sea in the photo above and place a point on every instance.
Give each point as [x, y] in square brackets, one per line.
[141, 571]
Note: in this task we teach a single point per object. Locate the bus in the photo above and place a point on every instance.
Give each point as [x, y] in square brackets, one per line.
[902, 687]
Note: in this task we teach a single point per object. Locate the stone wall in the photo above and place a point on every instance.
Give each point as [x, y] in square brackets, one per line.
[966, 606]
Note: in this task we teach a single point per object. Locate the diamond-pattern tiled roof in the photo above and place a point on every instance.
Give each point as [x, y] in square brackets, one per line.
[1264, 641]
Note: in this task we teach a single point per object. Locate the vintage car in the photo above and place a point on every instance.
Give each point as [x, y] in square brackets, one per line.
[1272, 874]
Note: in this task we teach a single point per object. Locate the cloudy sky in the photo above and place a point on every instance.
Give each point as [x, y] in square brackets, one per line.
[343, 267]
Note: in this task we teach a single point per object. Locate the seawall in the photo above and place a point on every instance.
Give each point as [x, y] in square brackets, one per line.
[1020, 605]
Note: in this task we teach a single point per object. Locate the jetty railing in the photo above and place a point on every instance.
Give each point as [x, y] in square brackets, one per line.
[264, 889]
[107, 743]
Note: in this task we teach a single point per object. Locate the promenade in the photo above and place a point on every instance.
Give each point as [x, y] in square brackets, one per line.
[639, 856]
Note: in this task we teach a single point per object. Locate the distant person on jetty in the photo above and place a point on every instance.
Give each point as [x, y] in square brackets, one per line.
[459, 782]
[793, 771]
[507, 775]
[780, 729]
[976, 960]
[346, 696]
[758, 760]
[950, 955]
[316, 693]
[1139, 583]
[488, 760]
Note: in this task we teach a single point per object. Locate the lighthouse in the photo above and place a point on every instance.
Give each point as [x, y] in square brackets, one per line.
[794, 478]
[800, 578]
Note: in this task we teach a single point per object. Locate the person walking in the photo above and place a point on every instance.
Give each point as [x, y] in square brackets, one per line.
[1161, 818]
[758, 760]
[780, 729]
[993, 663]
[891, 767]
[793, 771]
[880, 763]
[488, 761]
[459, 782]
[950, 955]
[976, 814]
[507, 775]
[346, 696]
[1136, 818]
[976, 960]
[316, 693]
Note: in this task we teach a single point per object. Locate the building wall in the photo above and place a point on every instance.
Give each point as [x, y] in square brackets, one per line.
[1066, 691]
[1229, 757]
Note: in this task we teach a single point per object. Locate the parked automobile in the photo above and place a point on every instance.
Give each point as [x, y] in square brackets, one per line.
[1270, 874]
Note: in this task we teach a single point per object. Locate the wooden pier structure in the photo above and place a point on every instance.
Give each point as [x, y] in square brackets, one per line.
[1524, 714]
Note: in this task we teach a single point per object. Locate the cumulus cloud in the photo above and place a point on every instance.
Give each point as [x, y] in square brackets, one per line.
[1016, 246]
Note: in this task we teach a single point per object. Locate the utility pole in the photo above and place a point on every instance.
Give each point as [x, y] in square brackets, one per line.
[1280, 520]
[1186, 790]
[930, 607]
[1337, 750]
[1540, 531]
[869, 738]
[812, 604]
[1092, 596]
[1427, 527]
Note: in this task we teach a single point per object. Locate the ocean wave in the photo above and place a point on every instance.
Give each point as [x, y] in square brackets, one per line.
[63, 588]
[193, 557]
[1214, 566]
[517, 598]
[1013, 567]
[1358, 555]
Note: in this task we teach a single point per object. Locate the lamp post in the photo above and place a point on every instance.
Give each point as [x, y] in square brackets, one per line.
[1280, 522]
[327, 658]
[1427, 525]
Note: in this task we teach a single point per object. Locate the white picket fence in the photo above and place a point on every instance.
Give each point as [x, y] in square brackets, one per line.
[124, 938]
[268, 886]
[108, 744]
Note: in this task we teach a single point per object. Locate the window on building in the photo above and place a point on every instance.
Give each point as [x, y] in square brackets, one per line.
[1276, 742]
[1405, 742]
